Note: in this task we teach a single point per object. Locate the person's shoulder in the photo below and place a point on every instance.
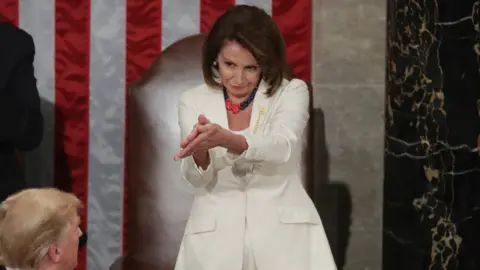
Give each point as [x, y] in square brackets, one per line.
[13, 34]
[16, 42]
[8, 28]
[294, 85]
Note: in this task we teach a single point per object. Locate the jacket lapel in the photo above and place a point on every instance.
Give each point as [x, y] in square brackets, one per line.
[217, 112]
[261, 106]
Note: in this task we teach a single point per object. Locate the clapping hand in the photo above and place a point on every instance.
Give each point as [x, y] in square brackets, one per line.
[203, 137]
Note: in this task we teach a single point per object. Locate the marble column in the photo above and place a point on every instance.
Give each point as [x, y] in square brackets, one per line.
[432, 163]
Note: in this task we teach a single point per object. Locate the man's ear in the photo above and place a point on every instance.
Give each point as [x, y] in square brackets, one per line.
[54, 253]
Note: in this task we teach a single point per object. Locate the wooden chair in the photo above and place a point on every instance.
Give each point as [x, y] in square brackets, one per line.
[159, 200]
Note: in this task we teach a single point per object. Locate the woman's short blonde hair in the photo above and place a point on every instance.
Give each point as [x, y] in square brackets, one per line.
[31, 221]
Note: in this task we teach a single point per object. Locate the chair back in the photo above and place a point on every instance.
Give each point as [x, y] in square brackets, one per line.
[159, 200]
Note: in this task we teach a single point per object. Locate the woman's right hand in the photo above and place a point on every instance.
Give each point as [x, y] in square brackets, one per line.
[201, 157]
[202, 120]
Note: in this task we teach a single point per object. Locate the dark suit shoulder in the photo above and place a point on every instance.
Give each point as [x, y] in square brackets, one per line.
[15, 39]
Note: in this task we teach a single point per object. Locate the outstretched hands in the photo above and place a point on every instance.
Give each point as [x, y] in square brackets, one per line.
[203, 137]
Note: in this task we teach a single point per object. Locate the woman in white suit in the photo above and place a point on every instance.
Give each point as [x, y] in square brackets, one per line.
[241, 151]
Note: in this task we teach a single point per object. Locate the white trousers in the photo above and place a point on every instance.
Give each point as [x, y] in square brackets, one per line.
[248, 259]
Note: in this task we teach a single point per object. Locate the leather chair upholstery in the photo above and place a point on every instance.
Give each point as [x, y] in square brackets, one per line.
[159, 200]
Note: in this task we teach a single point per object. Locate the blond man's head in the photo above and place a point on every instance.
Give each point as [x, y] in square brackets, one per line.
[39, 229]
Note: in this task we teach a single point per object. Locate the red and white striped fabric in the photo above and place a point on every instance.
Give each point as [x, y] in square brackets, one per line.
[87, 52]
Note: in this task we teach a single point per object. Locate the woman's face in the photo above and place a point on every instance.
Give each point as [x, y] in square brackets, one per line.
[238, 69]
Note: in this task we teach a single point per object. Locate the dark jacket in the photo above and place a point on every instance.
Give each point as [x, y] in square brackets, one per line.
[21, 121]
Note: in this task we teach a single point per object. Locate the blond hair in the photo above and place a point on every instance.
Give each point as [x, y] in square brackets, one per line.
[31, 221]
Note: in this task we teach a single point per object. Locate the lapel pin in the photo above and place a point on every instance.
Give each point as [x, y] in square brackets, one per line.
[262, 111]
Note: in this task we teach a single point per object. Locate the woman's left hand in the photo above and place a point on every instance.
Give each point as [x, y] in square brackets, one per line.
[209, 136]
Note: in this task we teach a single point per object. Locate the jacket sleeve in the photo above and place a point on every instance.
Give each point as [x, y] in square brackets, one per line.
[187, 117]
[23, 120]
[287, 124]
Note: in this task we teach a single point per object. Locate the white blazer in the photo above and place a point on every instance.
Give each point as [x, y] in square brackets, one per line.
[262, 188]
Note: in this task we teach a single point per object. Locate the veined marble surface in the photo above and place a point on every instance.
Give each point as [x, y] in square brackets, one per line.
[432, 163]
